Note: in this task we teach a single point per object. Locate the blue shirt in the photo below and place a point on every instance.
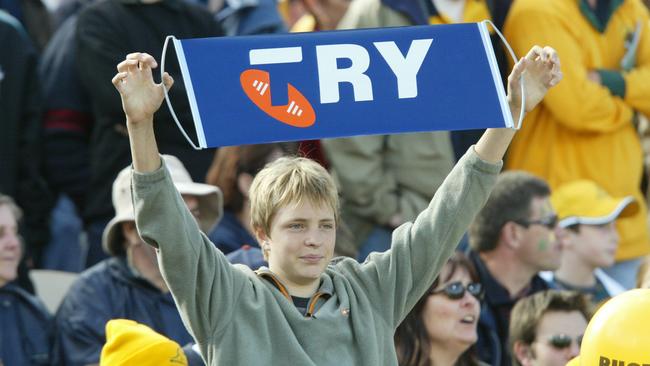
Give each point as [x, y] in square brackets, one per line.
[230, 234]
[25, 328]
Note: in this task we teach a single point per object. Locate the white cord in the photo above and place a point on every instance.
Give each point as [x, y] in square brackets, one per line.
[169, 103]
[521, 79]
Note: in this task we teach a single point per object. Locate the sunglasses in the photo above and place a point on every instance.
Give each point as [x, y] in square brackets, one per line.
[549, 222]
[562, 341]
[456, 290]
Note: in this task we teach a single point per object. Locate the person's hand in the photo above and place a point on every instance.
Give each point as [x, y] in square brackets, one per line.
[541, 71]
[141, 97]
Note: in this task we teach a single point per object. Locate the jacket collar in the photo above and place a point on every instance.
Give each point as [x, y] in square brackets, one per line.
[495, 293]
[596, 21]
[325, 290]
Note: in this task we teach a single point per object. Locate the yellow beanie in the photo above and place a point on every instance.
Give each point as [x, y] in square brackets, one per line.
[131, 343]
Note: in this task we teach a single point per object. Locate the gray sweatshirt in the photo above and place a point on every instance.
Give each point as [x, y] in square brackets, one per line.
[239, 317]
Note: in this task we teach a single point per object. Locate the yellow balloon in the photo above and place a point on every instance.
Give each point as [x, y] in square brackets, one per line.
[619, 332]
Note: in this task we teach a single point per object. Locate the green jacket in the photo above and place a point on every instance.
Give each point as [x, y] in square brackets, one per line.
[239, 317]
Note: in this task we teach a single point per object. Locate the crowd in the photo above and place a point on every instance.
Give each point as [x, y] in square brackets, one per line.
[510, 273]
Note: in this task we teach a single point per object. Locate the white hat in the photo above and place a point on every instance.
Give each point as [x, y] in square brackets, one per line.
[209, 197]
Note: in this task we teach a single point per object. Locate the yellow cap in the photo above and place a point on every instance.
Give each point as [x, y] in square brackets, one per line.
[131, 343]
[618, 333]
[584, 202]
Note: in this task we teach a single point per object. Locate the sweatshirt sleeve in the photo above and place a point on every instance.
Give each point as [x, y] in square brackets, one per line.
[205, 286]
[397, 278]
[577, 103]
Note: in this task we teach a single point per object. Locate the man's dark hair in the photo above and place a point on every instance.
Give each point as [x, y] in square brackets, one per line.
[510, 200]
[528, 312]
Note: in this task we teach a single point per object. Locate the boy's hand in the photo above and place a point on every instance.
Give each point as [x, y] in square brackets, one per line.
[541, 70]
[141, 97]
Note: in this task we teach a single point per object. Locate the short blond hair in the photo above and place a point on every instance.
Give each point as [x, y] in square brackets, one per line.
[290, 180]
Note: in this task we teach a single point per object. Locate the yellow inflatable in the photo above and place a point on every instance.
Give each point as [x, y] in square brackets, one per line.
[619, 333]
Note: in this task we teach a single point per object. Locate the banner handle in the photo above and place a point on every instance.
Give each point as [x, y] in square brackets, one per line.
[521, 80]
[169, 103]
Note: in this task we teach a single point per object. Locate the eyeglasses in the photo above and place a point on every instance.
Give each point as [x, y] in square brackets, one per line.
[456, 290]
[562, 341]
[549, 222]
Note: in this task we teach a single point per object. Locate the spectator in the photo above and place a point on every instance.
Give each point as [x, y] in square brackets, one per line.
[129, 284]
[587, 215]
[233, 170]
[441, 328]
[67, 123]
[106, 31]
[546, 328]
[584, 129]
[512, 239]
[294, 209]
[25, 324]
[130, 343]
[21, 170]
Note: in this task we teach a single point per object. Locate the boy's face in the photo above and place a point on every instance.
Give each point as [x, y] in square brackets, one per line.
[10, 250]
[301, 242]
[595, 244]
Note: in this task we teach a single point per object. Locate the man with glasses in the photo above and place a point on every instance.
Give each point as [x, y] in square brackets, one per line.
[512, 239]
[546, 329]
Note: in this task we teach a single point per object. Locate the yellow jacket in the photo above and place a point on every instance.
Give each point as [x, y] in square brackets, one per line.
[583, 129]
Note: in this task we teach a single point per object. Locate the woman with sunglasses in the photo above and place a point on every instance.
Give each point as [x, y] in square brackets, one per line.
[441, 328]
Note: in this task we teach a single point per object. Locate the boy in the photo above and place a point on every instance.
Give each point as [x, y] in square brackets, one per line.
[303, 310]
[588, 217]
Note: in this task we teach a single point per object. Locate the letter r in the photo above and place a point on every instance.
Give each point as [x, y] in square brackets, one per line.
[329, 75]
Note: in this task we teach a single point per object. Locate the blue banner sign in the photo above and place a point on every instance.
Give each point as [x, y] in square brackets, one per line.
[270, 88]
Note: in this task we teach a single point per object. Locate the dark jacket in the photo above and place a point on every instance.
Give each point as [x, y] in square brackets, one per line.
[67, 116]
[107, 291]
[25, 328]
[230, 234]
[20, 137]
[494, 322]
[106, 32]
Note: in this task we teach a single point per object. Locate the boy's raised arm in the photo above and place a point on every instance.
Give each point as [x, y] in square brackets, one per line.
[541, 71]
[141, 98]
[419, 249]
